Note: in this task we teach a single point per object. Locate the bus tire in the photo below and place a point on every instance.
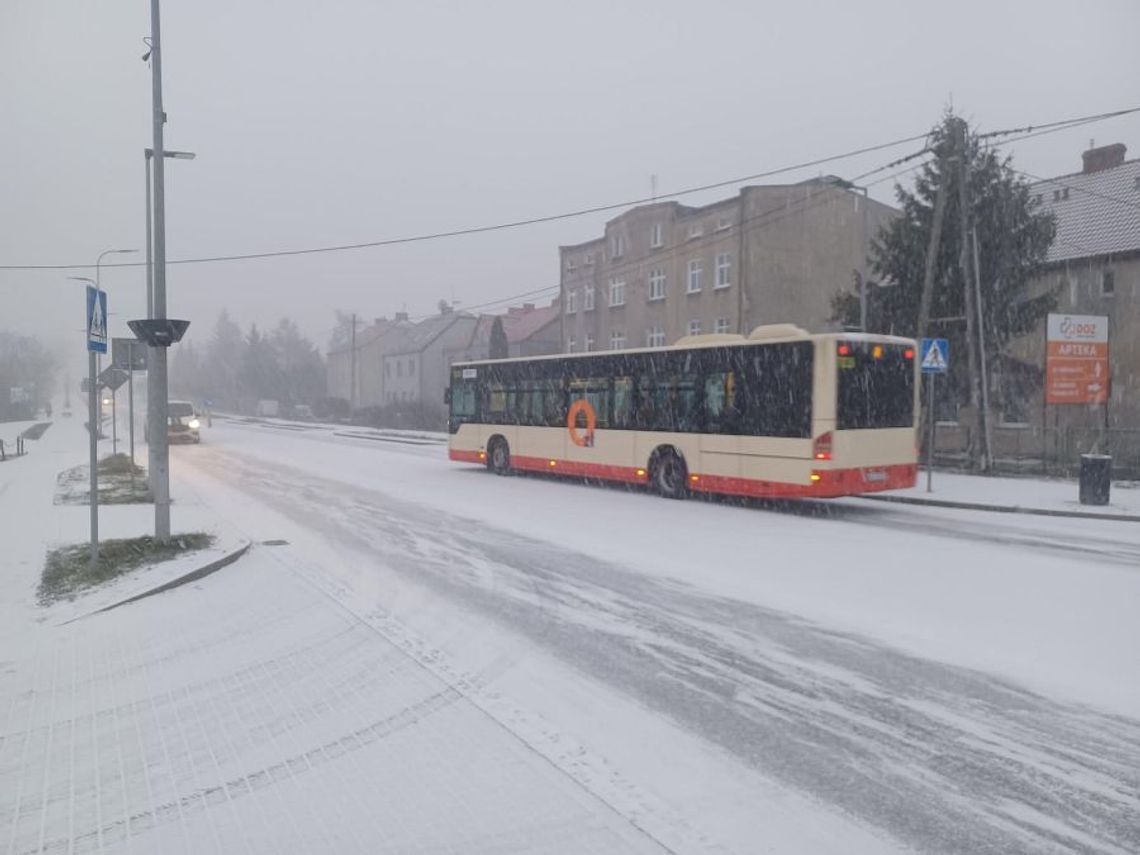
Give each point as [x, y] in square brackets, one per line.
[498, 456]
[669, 475]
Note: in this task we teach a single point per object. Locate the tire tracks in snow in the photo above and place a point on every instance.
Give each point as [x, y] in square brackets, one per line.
[943, 758]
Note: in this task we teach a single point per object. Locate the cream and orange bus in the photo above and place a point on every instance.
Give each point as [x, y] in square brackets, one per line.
[779, 413]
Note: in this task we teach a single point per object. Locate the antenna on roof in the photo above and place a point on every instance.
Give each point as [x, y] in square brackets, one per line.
[653, 187]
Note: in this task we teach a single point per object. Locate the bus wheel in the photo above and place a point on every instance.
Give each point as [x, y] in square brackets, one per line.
[499, 456]
[669, 475]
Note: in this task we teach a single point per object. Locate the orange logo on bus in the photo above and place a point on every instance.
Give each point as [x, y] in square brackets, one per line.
[586, 439]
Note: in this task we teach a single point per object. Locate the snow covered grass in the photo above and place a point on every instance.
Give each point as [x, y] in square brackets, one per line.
[68, 570]
[121, 482]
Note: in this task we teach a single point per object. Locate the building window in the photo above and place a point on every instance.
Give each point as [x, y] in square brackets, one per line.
[399, 368]
[657, 284]
[696, 268]
[617, 340]
[588, 260]
[387, 369]
[617, 246]
[723, 223]
[571, 302]
[695, 327]
[588, 299]
[657, 236]
[655, 337]
[570, 266]
[723, 270]
[412, 367]
[722, 325]
[571, 345]
[617, 292]
[1108, 283]
[589, 343]
[696, 230]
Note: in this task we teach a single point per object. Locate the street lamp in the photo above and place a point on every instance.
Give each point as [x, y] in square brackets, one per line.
[148, 153]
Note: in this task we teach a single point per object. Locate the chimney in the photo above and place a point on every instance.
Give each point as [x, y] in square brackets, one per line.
[1104, 157]
[528, 307]
[401, 317]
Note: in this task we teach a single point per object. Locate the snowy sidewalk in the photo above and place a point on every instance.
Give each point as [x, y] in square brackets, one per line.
[1025, 495]
[248, 712]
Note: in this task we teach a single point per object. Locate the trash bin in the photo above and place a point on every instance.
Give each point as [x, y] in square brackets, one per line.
[1096, 477]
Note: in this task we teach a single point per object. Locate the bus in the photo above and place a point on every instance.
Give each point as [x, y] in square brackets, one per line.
[775, 414]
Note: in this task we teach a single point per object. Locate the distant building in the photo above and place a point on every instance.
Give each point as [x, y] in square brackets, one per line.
[531, 331]
[770, 254]
[401, 365]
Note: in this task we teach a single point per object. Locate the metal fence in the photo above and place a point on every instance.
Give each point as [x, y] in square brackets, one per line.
[1050, 451]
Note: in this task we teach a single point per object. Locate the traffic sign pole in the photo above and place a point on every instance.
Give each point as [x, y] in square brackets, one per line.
[114, 424]
[930, 445]
[131, 403]
[93, 453]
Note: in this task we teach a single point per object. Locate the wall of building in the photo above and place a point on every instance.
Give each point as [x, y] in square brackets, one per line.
[789, 250]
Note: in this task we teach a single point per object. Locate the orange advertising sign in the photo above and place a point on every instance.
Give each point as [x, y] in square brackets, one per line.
[1076, 359]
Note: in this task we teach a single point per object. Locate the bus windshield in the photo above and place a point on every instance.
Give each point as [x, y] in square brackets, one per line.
[876, 385]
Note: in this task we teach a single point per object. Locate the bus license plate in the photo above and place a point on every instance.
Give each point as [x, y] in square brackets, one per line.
[874, 475]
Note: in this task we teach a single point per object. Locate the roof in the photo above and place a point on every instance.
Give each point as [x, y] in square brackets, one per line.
[705, 341]
[1099, 215]
[521, 324]
[414, 338]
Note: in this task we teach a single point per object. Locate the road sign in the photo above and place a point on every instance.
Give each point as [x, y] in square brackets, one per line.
[96, 320]
[1076, 359]
[113, 378]
[128, 354]
[935, 356]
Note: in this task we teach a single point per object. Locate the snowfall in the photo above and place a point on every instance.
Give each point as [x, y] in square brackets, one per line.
[416, 656]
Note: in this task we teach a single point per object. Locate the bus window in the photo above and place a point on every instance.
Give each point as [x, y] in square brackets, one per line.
[875, 391]
[623, 402]
[721, 405]
[669, 403]
[496, 408]
[463, 399]
[596, 391]
[778, 380]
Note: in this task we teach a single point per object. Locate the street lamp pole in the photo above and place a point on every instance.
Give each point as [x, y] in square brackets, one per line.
[148, 153]
[157, 405]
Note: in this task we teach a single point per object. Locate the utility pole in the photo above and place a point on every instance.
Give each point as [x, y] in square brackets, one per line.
[987, 427]
[932, 247]
[973, 335]
[352, 377]
[156, 376]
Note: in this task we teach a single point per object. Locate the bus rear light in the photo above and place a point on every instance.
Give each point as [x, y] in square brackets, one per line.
[821, 448]
[844, 350]
[815, 477]
[909, 353]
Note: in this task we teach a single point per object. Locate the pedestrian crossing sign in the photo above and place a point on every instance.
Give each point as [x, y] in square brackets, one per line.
[96, 320]
[935, 355]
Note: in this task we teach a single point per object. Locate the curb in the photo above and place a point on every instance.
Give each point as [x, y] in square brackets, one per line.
[192, 576]
[1003, 509]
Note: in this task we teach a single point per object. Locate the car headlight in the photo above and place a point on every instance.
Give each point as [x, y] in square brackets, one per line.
[195, 424]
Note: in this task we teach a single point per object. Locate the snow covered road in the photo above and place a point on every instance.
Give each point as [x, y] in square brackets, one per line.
[955, 681]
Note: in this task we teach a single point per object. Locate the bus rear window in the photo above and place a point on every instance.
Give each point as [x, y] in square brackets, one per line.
[876, 385]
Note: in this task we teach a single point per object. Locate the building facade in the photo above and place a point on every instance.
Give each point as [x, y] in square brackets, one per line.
[771, 254]
[1093, 268]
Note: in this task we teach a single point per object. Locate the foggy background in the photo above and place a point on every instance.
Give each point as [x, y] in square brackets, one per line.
[355, 120]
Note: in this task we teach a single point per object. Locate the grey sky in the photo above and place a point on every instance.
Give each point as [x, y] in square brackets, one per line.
[352, 120]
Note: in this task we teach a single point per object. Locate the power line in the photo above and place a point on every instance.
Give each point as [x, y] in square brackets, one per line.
[1061, 125]
[597, 209]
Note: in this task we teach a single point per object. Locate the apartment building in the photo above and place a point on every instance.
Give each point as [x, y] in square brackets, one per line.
[770, 254]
